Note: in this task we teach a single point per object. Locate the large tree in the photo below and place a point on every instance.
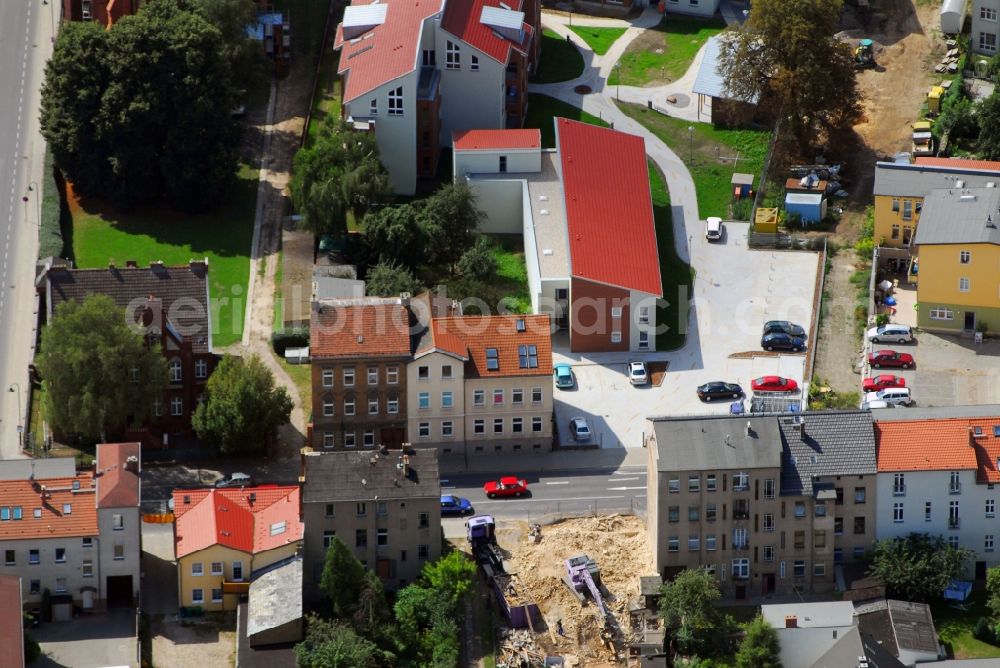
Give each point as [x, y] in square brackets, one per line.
[988, 116]
[786, 53]
[393, 234]
[246, 56]
[386, 279]
[98, 373]
[243, 406]
[918, 566]
[141, 111]
[759, 647]
[342, 579]
[450, 221]
[688, 611]
[333, 644]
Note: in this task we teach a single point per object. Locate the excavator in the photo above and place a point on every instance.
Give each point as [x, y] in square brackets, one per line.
[864, 55]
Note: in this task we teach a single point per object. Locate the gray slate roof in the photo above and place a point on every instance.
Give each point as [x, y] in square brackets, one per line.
[716, 443]
[918, 180]
[709, 80]
[275, 598]
[350, 476]
[938, 413]
[833, 443]
[960, 217]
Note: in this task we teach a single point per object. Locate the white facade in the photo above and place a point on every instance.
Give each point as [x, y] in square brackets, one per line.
[642, 332]
[489, 161]
[435, 400]
[705, 8]
[119, 545]
[985, 26]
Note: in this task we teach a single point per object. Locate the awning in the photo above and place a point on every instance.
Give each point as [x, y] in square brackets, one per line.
[826, 494]
[235, 587]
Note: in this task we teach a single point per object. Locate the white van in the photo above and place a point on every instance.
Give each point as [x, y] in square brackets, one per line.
[896, 396]
[890, 332]
[713, 229]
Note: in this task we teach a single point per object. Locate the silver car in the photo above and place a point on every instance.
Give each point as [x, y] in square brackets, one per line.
[890, 333]
[579, 428]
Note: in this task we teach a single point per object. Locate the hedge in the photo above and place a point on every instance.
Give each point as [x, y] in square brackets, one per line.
[290, 337]
[50, 233]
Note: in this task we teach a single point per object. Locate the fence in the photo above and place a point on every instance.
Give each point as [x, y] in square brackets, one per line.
[627, 505]
[817, 309]
[762, 190]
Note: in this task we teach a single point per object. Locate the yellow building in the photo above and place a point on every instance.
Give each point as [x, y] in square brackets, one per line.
[957, 251]
[223, 536]
[900, 190]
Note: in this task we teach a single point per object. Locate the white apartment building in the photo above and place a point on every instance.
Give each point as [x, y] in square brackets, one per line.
[985, 27]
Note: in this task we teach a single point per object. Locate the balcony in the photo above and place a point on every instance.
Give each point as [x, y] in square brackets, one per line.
[229, 587]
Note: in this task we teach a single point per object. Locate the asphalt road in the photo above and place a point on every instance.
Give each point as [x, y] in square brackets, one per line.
[25, 43]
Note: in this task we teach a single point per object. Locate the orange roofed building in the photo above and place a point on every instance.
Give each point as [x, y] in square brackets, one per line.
[223, 537]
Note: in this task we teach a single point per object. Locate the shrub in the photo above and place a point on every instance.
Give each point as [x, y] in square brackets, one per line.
[982, 630]
[290, 337]
[50, 235]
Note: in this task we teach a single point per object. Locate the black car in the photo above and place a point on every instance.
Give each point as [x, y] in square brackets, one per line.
[719, 390]
[783, 327]
[782, 341]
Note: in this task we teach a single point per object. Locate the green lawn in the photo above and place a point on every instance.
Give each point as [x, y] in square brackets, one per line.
[560, 60]
[664, 53]
[701, 150]
[542, 109]
[326, 100]
[954, 628]
[302, 377]
[677, 275]
[598, 39]
[145, 234]
[512, 275]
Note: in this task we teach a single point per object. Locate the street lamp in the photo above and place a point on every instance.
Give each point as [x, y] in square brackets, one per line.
[691, 144]
[20, 427]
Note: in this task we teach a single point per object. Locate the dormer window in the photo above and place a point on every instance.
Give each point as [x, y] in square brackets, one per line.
[492, 360]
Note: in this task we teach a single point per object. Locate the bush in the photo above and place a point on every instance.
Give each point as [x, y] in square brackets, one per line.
[290, 337]
[50, 235]
[982, 630]
[741, 209]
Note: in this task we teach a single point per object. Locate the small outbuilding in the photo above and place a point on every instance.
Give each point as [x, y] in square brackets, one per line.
[274, 613]
[810, 207]
[725, 108]
[766, 220]
[952, 16]
[742, 185]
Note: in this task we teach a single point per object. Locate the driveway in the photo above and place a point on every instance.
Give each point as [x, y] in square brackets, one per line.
[159, 581]
[736, 290]
[90, 641]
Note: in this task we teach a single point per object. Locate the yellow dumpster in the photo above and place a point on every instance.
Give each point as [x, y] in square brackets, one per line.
[934, 99]
[766, 221]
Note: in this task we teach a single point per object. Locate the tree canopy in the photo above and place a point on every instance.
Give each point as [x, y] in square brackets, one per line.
[333, 644]
[787, 54]
[98, 373]
[988, 116]
[245, 56]
[450, 222]
[918, 566]
[142, 111]
[387, 279]
[759, 648]
[688, 611]
[243, 406]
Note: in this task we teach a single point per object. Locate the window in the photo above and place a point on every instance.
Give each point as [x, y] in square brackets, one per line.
[741, 509]
[423, 520]
[768, 522]
[327, 407]
[5, 513]
[674, 484]
[741, 569]
[382, 537]
[800, 509]
[200, 369]
[373, 405]
[119, 551]
[479, 426]
[769, 488]
[328, 439]
[497, 397]
[35, 587]
[536, 395]
[694, 513]
[694, 542]
[838, 526]
[820, 509]
[953, 519]
[157, 407]
[87, 570]
[517, 425]
[216, 568]
[953, 541]
[503, 158]
[423, 373]
[895, 231]
[216, 595]
[453, 56]
[988, 542]
[987, 41]
[361, 509]
[991, 508]
[37, 512]
[674, 514]
[392, 405]
[447, 400]
[955, 484]
[694, 483]
[492, 360]
[895, 205]
[942, 314]
[175, 371]
[9, 558]
[899, 484]
[60, 555]
[424, 429]
[424, 400]
[117, 522]
[328, 537]
[673, 544]
[497, 425]
[373, 375]
[987, 13]
[965, 256]
[741, 481]
[963, 285]
[819, 540]
[710, 541]
[392, 375]
[769, 553]
[710, 482]
[859, 494]
[739, 538]
[197, 596]
[860, 525]
[643, 315]
[447, 428]
[927, 511]
[710, 512]
[819, 570]
[474, 66]
[799, 569]
[349, 377]
[381, 508]
[373, 107]
[800, 540]
[643, 339]
[423, 552]
[616, 337]
[197, 569]
[396, 102]
[176, 406]
[527, 356]
[517, 396]
[536, 424]
[360, 538]
[479, 398]
[616, 311]
[430, 58]
[907, 209]
[897, 512]
[88, 542]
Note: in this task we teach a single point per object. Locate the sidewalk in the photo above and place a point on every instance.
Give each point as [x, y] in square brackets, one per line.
[559, 460]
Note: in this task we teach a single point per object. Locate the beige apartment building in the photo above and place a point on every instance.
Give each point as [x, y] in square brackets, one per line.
[385, 506]
[771, 504]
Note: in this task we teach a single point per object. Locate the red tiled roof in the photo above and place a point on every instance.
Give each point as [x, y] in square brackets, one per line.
[609, 211]
[924, 445]
[462, 19]
[484, 140]
[52, 522]
[446, 341]
[385, 52]
[959, 163]
[500, 331]
[117, 485]
[11, 629]
[362, 329]
[227, 517]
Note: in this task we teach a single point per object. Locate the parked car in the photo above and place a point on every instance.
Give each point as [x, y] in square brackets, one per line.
[713, 228]
[881, 382]
[579, 429]
[881, 358]
[875, 403]
[773, 384]
[234, 480]
[506, 486]
[637, 373]
[897, 333]
[563, 374]
[455, 505]
[782, 341]
[894, 396]
[719, 390]
[783, 327]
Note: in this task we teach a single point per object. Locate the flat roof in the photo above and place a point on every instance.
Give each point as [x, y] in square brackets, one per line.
[803, 198]
[551, 235]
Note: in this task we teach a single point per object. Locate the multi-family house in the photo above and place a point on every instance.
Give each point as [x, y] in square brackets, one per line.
[585, 213]
[173, 306]
[985, 28]
[414, 72]
[767, 504]
[938, 472]
[74, 534]
[359, 350]
[224, 538]
[384, 506]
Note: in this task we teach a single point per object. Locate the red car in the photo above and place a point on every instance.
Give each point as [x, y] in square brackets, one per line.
[881, 358]
[506, 486]
[882, 382]
[773, 384]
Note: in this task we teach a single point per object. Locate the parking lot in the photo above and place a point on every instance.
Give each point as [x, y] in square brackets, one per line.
[736, 290]
[89, 641]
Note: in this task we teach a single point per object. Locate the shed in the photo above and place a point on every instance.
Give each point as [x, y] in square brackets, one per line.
[811, 207]
[274, 613]
[710, 87]
[952, 16]
[766, 221]
[742, 185]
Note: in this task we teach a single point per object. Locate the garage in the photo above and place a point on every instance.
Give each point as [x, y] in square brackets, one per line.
[119, 588]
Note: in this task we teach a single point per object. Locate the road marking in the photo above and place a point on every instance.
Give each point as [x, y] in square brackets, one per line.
[562, 482]
[447, 487]
[622, 489]
[574, 498]
[624, 479]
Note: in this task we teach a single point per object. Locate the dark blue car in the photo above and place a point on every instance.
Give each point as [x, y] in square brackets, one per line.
[454, 505]
[782, 341]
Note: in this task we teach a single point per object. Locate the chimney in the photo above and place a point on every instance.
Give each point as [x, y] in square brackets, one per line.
[132, 464]
[404, 298]
[131, 264]
[972, 437]
[791, 622]
[406, 466]
[802, 428]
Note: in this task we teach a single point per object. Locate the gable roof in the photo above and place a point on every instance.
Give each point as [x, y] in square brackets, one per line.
[960, 216]
[716, 443]
[901, 180]
[900, 626]
[466, 20]
[182, 292]
[350, 476]
[359, 328]
[609, 211]
[823, 444]
[207, 517]
[990, 165]
[479, 334]
[117, 476]
[924, 445]
[709, 80]
[49, 496]
[489, 140]
[387, 51]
